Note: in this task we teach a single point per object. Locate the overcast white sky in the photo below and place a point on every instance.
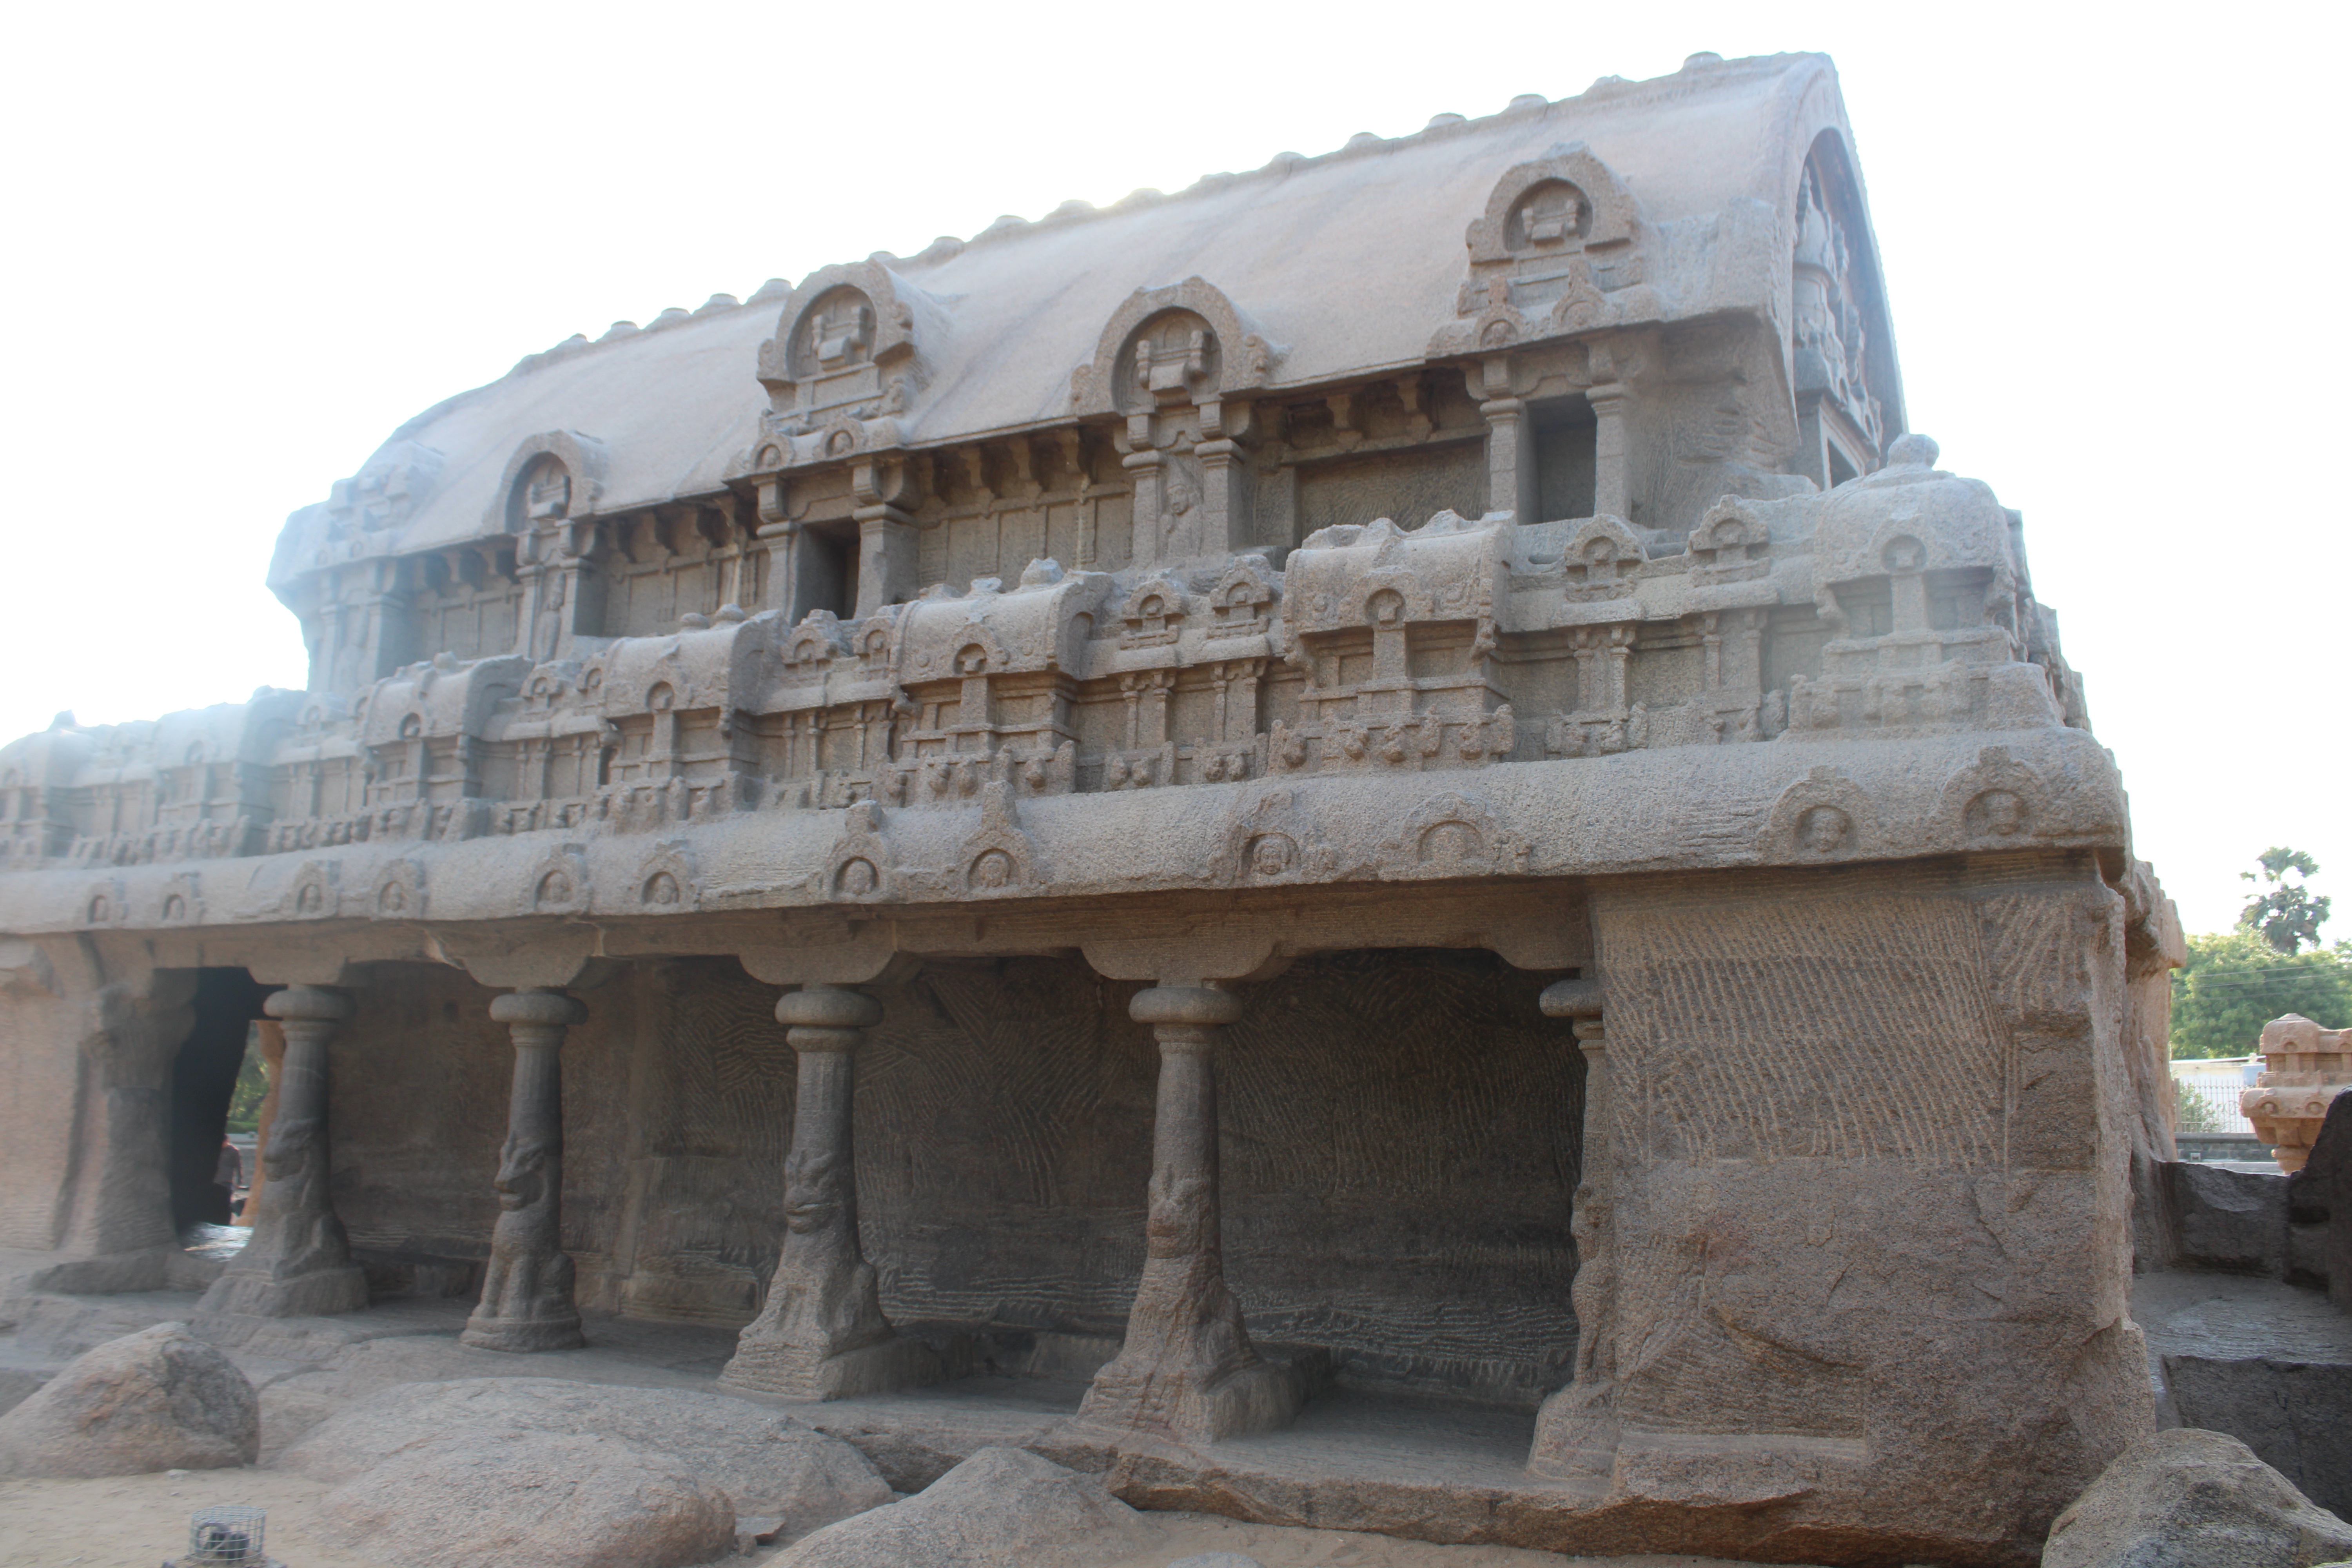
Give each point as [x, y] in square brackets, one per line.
[245, 243]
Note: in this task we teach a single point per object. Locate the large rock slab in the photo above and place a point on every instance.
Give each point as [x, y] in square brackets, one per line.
[2231, 1220]
[2296, 1416]
[1002, 1508]
[2319, 1198]
[159, 1399]
[2190, 1499]
[767, 1463]
[489, 1498]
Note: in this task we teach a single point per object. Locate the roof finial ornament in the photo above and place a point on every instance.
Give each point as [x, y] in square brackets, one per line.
[1913, 451]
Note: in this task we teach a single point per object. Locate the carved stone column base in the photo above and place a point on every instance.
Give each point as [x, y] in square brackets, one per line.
[556, 1331]
[1264, 1398]
[799, 1372]
[1576, 1439]
[316, 1295]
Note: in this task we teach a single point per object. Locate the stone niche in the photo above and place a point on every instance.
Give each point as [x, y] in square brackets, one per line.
[1399, 1134]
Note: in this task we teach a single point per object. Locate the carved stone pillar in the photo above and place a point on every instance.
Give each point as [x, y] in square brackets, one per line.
[527, 1301]
[1613, 457]
[1510, 457]
[1187, 1370]
[885, 558]
[822, 1334]
[1576, 1433]
[299, 1263]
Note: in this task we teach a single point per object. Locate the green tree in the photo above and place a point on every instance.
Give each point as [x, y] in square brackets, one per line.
[2285, 916]
[2196, 1115]
[2235, 982]
[245, 1099]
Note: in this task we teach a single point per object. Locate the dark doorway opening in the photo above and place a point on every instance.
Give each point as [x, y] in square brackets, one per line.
[1567, 459]
[828, 561]
[204, 1076]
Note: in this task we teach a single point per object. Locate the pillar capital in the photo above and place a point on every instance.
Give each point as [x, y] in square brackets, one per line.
[1577, 998]
[826, 1008]
[537, 1006]
[1197, 1007]
[307, 1004]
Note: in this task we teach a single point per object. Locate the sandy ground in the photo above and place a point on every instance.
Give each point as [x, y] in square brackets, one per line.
[137, 1521]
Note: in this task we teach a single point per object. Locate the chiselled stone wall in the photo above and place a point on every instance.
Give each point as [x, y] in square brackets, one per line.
[1401, 1137]
[1868, 1213]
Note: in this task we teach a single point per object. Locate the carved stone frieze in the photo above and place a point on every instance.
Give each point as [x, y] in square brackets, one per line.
[1453, 835]
[1273, 840]
[1559, 250]
[558, 884]
[313, 894]
[399, 891]
[1997, 803]
[667, 881]
[858, 870]
[1823, 816]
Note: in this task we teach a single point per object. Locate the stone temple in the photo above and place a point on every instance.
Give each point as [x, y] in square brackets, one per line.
[1385, 783]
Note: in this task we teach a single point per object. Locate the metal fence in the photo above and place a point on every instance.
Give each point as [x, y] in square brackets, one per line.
[2209, 1093]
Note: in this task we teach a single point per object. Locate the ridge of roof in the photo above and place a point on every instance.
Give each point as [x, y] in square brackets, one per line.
[1698, 69]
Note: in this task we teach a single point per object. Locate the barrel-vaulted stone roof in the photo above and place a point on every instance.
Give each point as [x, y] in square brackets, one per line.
[1346, 263]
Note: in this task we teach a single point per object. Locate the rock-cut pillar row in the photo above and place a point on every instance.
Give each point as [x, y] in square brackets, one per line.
[1187, 1370]
[526, 1302]
[822, 1335]
[299, 1263]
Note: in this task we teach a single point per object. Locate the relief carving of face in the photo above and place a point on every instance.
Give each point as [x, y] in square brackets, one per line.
[2004, 814]
[1823, 829]
[522, 1174]
[813, 1191]
[857, 879]
[993, 870]
[1270, 856]
[1176, 1225]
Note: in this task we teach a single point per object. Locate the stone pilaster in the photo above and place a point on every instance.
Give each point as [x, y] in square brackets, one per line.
[1612, 456]
[1576, 1432]
[1510, 458]
[885, 558]
[526, 1302]
[1187, 1370]
[822, 1334]
[299, 1263]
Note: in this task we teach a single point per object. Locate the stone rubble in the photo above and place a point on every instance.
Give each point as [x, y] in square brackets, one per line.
[488, 1498]
[765, 1463]
[1002, 1508]
[2186, 1498]
[157, 1400]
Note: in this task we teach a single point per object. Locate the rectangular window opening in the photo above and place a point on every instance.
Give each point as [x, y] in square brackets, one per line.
[1567, 454]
